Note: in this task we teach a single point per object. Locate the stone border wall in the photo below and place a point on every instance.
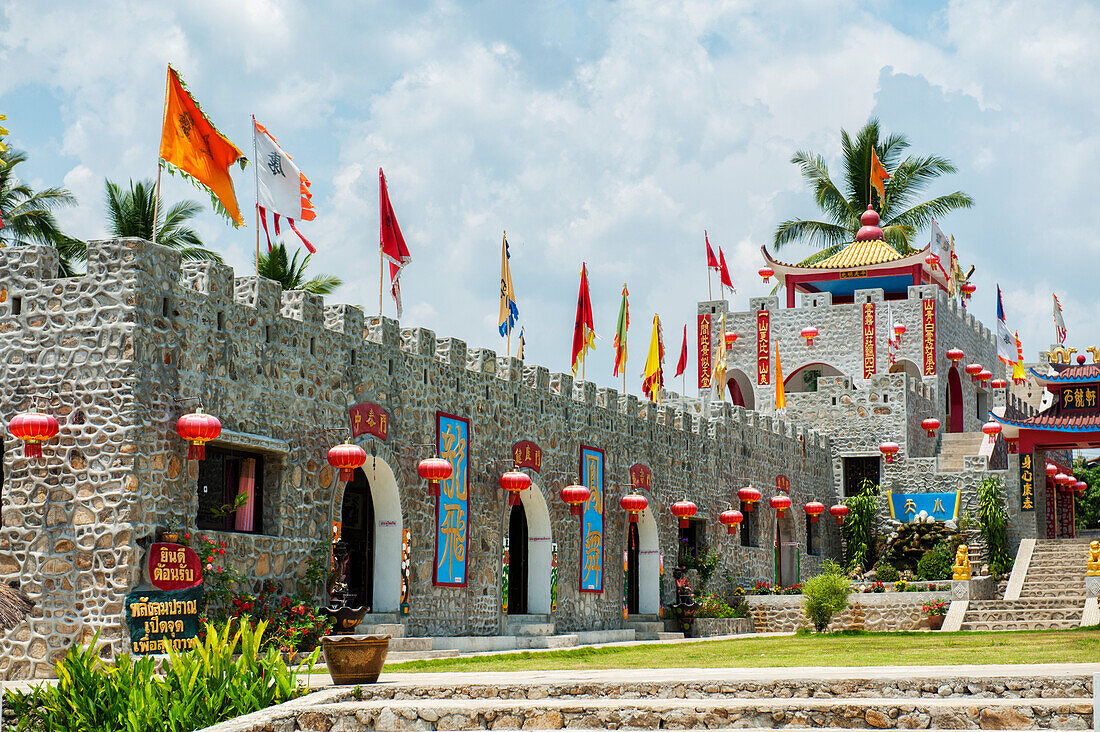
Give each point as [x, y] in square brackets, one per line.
[872, 611]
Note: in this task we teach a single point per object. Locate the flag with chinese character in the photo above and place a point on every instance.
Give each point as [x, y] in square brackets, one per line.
[726, 281]
[509, 311]
[682, 364]
[619, 344]
[192, 146]
[1006, 344]
[780, 389]
[712, 261]
[878, 177]
[718, 371]
[584, 329]
[1059, 324]
[653, 378]
[281, 188]
[391, 241]
[940, 245]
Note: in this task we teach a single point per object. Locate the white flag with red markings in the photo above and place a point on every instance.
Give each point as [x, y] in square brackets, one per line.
[281, 189]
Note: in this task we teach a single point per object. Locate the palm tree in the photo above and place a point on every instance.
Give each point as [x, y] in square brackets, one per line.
[291, 273]
[131, 213]
[902, 217]
[27, 216]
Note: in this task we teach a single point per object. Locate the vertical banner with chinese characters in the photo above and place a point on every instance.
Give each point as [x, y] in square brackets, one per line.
[1027, 483]
[704, 352]
[453, 506]
[763, 347]
[406, 565]
[928, 321]
[868, 340]
[592, 520]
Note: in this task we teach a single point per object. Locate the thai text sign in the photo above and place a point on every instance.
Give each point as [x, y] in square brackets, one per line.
[453, 507]
[641, 477]
[159, 619]
[1027, 483]
[173, 567]
[704, 351]
[1078, 398]
[928, 325]
[592, 520]
[526, 454]
[905, 507]
[763, 347]
[868, 340]
[371, 419]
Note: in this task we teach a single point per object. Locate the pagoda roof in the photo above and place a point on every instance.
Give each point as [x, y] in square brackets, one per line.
[859, 265]
[1076, 374]
[1079, 422]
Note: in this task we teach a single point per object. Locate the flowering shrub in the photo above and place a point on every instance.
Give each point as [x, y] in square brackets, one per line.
[795, 589]
[935, 607]
[875, 586]
[762, 588]
[901, 586]
[218, 578]
[713, 606]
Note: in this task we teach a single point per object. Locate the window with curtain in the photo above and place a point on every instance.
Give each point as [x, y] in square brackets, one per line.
[224, 475]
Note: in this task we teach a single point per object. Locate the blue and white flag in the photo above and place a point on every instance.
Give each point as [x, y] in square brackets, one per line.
[1006, 342]
[509, 312]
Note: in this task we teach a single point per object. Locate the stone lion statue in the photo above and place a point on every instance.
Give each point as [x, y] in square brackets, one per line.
[962, 563]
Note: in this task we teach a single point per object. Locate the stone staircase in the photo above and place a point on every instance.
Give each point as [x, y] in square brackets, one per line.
[954, 446]
[650, 627]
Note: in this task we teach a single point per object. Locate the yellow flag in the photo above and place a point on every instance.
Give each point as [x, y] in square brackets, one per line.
[3, 149]
[653, 377]
[780, 391]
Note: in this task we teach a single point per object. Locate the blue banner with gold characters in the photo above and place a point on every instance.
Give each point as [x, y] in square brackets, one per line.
[592, 520]
[905, 507]
[453, 507]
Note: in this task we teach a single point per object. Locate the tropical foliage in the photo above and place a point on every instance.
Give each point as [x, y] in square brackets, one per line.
[132, 213]
[903, 217]
[291, 274]
[1088, 503]
[859, 526]
[993, 522]
[28, 216]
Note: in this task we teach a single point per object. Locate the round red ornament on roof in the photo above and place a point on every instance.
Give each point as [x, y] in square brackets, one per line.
[1080, 359]
[869, 229]
[575, 496]
[748, 496]
[346, 458]
[433, 470]
[684, 510]
[955, 354]
[33, 428]
[780, 503]
[766, 272]
[1051, 470]
[839, 511]
[514, 482]
[198, 428]
[888, 450]
[730, 519]
[809, 333]
[633, 504]
[992, 428]
[813, 510]
[931, 425]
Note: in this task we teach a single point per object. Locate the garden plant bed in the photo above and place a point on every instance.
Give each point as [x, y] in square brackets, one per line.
[872, 611]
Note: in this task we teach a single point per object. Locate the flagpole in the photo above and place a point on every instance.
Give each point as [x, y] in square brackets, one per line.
[256, 176]
[156, 200]
[381, 266]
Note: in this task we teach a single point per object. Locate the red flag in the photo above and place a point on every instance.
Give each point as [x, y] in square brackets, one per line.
[712, 263]
[682, 364]
[392, 243]
[726, 281]
[584, 331]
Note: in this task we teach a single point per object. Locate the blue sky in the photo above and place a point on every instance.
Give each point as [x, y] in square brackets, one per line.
[606, 132]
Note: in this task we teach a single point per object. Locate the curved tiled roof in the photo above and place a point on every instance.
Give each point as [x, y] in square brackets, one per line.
[1084, 422]
[860, 254]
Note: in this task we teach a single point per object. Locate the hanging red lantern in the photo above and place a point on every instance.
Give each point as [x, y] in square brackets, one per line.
[899, 331]
[347, 457]
[956, 354]
[684, 510]
[992, 429]
[839, 511]
[889, 450]
[968, 289]
[731, 518]
[1062, 479]
[814, 509]
[1080, 486]
[766, 272]
[748, 496]
[780, 504]
[198, 428]
[633, 504]
[932, 260]
[514, 482]
[809, 333]
[931, 425]
[575, 496]
[434, 470]
[984, 375]
[33, 428]
[731, 338]
[998, 384]
[973, 369]
[1051, 470]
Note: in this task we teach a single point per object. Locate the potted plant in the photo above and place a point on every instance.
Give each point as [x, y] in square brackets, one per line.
[936, 610]
[172, 529]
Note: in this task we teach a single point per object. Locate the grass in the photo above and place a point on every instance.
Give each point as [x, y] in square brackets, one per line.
[847, 648]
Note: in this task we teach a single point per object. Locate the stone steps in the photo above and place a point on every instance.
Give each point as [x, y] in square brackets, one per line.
[662, 635]
[1001, 625]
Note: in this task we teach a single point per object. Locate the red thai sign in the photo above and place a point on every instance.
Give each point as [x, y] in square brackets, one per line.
[783, 483]
[174, 567]
[869, 364]
[763, 347]
[928, 319]
[526, 454]
[371, 419]
[641, 476]
[704, 352]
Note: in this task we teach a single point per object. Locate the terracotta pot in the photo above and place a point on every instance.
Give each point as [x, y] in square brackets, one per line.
[345, 619]
[935, 622]
[170, 537]
[355, 659]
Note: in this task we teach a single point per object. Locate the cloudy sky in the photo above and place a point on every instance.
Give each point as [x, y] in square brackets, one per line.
[606, 132]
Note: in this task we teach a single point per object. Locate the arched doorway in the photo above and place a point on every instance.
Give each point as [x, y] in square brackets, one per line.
[357, 531]
[905, 366]
[517, 561]
[740, 389]
[786, 551]
[954, 401]
[370, 514]
[530, 554]
[643, 566]
[804, 378]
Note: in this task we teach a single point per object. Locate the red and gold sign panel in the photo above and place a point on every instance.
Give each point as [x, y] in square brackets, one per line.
[1078, 398]
[174, 567]
[369, 418]
[783, 483]
[868, 340]
[763, 347]
[928, 320]
[641, 477]
[704, 351]
[1027, 483]
[527, 454]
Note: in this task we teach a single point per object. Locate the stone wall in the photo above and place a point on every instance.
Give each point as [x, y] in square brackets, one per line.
[872, 611]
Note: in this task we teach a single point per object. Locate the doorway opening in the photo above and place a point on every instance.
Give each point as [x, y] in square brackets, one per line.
[517, 561]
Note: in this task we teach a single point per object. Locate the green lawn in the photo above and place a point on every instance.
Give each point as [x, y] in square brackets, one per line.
[839, 649]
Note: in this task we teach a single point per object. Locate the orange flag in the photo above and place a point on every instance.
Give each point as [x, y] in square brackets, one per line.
[193, 147]
[878, 175]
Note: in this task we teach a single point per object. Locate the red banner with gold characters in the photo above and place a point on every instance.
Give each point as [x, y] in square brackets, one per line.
[763, 347]
[174, 566]
[526, 454]
[371, 419]
[928, 319]
[641, 477]
[704, 351]
[868, 340]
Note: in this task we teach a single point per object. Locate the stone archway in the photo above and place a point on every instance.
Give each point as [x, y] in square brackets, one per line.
[804, 378]
[648, 577]
[907, 367]
[740, 390]
[954, 401]
[539, 550]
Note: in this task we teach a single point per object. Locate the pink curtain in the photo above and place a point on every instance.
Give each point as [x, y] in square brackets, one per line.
[247, 486]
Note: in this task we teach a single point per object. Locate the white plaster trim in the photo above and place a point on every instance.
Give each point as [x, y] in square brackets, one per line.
[1091, 613]
[1019, 569]
[247, 440]
[955, 613]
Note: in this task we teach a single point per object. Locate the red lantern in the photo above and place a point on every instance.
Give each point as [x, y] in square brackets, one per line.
[1051, 470]
[1062, 479]
[985, 375]
[932, 260]
[968, 289]
[973, 369]
[633, 504]
[684, 510]
[347, 458]
[931, 425]
[780, 504]
[748, 496]
[514, 482]
[731, 518]
[809, 333]
[889, 450]
[731, 338]
[198, 428]
[998, 383]
[814, 510]
[33, 428]
[839, 511]
[956, 354]
[766, 272]
[899, 330]
[992, 429]
[433, 470]
[1080, 487]
[575, 496]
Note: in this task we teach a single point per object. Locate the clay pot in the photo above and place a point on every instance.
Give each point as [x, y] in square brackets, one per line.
[345, 619]
[935, 622]
[170, 537]
[355, 659]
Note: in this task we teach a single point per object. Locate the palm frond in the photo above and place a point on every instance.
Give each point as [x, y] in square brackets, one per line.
[900, 238]
[913, 175]
[322, 284]
[814, 233]
[827, 196]
[920, 216]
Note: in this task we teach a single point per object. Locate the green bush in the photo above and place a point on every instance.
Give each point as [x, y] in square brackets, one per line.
[887, 572]
[713, 606]
[823, 596]
[860, 526]
[993, 522]
[936, 563]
